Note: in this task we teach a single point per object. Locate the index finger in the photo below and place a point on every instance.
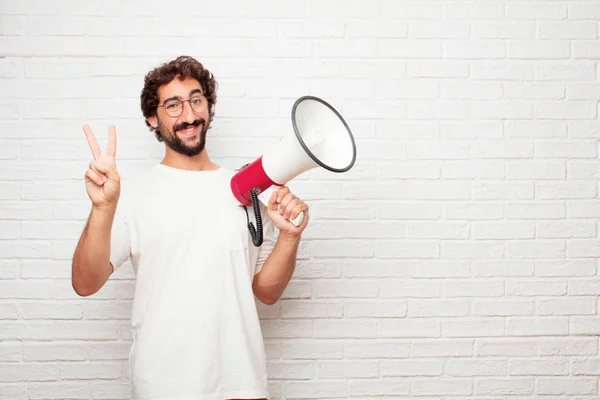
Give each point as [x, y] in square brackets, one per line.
[94, 146]
[111, 148]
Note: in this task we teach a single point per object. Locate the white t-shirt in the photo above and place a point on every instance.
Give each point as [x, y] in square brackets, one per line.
[195, 327]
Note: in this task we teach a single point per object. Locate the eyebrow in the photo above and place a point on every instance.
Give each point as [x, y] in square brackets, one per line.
[193, 92]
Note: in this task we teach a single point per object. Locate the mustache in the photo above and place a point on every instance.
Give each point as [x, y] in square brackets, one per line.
[184, 125]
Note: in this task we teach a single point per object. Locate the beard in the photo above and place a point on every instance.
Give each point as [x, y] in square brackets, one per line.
[177, 144]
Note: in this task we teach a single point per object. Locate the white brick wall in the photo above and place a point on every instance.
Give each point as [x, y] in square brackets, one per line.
[457, 260]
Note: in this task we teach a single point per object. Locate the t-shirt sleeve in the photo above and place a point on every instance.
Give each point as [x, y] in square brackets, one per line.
[120, 249]
[270, 234]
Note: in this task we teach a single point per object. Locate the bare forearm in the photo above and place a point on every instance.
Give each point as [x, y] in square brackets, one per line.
[91, 262]
[277, 270]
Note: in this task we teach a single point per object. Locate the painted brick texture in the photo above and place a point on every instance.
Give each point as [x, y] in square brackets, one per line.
[457, 260]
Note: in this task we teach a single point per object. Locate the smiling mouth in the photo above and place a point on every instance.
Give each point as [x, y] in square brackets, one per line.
[187, 132]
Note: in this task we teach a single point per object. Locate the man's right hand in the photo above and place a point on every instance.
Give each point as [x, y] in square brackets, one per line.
[102, 180]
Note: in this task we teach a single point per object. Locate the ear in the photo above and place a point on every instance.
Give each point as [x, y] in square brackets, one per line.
[153, 122]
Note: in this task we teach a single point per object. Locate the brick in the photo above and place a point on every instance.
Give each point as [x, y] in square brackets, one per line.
[93, 370]
[463, 328]
[471, 249]
[490, 69]
[534, 91]
[312, 349]
[532, 49]
[50, 391]
[407, 249]
[539, 249]
[314, 389]
[504, 386]
[471, 129]
[503, 230]
[291, 369]
[476, 367]
[542, 326]
[28, 372]
[410, 10]
[347, 369]
[587, 286]
[538, 367]
[412, 368]
[475, 288]
[306, 269]
[408, 328]
[568, 347]
[49, 310]
[575, 306]
[373, 269]
[26, 289]
[506, 347]
[377, 349]
[432, 387]
[439, 109]
[536, 288]
[437, 308]
[310, 309]
[565, 229]
[438, 269]
[380, 387]
[287, 329]
[474, 49]
[510, 268]
[408, 210]
[409, 288]
[375, 309]
[437, 68]
[568, 30]
[473, 11]
[535, 129]
[568, 386]
[566, 110]
[349, 289]
[473, 170]
[345, 329]
[585, 326]
[442, 348]
[10, 352]
[536, 11]
[111, 390]
[502, 190]
[568, 70]
[504, 30]
[502, 308]
[580, 267]
[503, 149]
[589, 366]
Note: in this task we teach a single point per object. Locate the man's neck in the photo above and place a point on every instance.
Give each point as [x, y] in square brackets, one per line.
[200, 162]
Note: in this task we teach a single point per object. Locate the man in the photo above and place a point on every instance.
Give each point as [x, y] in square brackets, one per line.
[196, 333]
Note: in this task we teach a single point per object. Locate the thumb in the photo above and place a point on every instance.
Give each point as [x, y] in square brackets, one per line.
[110, 169]
[272, 203]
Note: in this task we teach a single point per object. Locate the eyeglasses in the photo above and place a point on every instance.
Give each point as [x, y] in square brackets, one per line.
[174, 107]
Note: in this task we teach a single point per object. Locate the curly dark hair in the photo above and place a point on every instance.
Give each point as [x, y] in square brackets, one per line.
[182, 67]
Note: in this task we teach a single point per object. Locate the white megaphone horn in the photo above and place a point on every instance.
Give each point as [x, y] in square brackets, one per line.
[322, 139]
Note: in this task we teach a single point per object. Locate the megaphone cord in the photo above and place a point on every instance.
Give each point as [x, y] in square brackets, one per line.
[256, 233]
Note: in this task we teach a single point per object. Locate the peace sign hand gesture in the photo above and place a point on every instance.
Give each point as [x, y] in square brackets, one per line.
[102, 180]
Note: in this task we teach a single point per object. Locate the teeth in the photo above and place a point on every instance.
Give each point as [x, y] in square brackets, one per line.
[189, 129]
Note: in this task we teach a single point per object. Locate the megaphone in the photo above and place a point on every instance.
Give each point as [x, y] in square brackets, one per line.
[322, 139]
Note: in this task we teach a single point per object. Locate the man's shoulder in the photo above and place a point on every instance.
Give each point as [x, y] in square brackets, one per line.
[136, 185]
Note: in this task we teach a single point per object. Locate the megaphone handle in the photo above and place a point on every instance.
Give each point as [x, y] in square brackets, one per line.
[264, 198]
[298, 220]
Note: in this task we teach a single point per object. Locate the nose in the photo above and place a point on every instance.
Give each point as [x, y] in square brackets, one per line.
[187, 114]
